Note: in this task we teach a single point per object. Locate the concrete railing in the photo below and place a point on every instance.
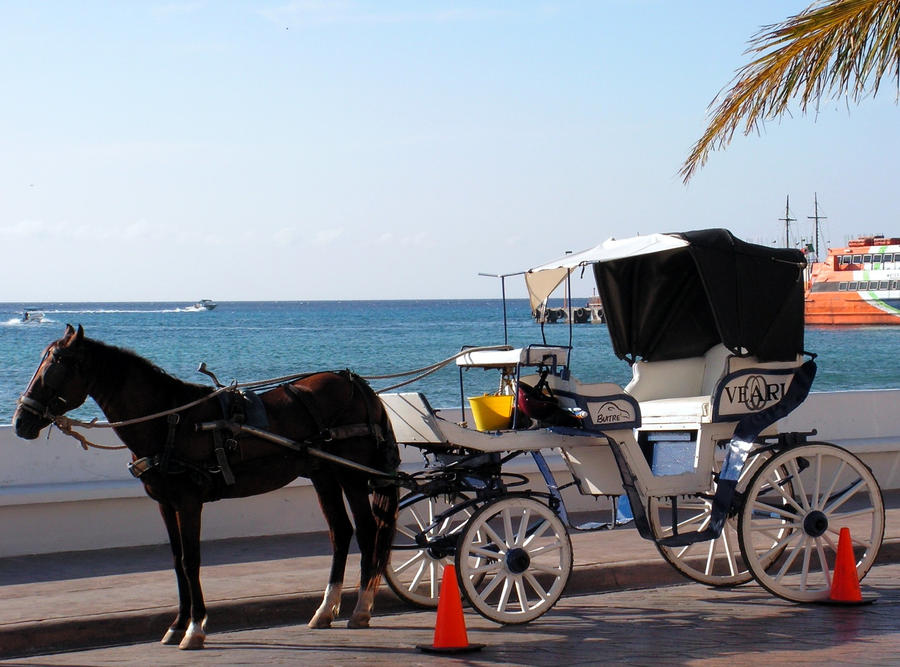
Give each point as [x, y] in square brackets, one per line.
[54, 496]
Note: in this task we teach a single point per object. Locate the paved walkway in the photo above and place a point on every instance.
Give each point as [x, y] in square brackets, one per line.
[74, 600]
[686, 625]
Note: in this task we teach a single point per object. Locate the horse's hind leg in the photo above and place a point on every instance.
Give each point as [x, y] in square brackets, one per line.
[358, 498]
[340, 530]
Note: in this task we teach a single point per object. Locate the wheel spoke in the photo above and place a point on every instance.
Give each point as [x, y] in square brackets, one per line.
[485, 552]
[488, 567]
[508, 532]
[804, 570]
[521, 594]
[504, 594]
[792, 555]
[522, 531]
[778, 488]
[537, 531]
[492, 535]
[823, 561]
[414, 584]
[536, 586]
[798, 479]
[846, 494]
[767, 509]
[834, 480]
[418, 557]
[495, 581]
[816, 497]
[556, 545]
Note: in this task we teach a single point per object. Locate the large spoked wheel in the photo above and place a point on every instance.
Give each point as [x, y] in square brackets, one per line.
[798, 502]
[414, 573]
[717, 562]
[514, 559]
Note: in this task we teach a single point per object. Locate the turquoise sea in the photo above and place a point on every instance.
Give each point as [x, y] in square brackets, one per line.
[247, 341]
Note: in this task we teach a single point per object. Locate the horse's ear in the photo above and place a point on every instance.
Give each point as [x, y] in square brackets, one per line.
[72, 335]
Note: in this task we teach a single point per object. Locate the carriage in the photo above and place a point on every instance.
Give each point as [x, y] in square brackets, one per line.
[713, 330]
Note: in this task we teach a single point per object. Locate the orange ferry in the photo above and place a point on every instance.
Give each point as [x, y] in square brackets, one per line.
[859, 284]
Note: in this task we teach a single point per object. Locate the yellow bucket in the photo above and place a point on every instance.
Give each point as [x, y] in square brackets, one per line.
[492, 413]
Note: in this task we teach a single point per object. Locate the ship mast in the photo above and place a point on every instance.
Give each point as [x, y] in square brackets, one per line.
[787, 219]
[817, 217]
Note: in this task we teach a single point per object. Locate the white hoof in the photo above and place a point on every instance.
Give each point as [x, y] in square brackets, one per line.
[194, 637]
[320, 621]
[329, 609]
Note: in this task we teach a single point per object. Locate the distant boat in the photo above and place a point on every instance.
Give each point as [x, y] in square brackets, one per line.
[205, 304]
[32, 316]
[856, 285]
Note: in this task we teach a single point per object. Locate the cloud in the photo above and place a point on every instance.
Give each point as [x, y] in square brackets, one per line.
[23, 229]
[327, 236]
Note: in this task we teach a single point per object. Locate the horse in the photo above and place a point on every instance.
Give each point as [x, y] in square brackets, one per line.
[185, 455]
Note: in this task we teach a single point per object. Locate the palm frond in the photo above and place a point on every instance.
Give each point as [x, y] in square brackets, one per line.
[834, 49]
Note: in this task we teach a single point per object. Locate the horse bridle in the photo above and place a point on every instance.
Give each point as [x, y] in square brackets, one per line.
[53, 378]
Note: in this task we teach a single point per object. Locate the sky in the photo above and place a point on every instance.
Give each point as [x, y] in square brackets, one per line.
[314, 150]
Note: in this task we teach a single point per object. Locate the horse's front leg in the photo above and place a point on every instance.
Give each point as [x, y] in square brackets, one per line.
[176, 631]
[189, 531]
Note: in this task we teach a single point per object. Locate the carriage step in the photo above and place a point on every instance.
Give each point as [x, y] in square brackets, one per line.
[684, 539]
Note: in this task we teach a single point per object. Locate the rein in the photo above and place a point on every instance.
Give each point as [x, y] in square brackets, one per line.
[66, 424]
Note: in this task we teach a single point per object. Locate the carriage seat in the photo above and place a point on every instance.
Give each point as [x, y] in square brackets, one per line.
[679, 390]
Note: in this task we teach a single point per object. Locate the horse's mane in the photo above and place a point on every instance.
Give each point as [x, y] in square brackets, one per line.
[110, 360]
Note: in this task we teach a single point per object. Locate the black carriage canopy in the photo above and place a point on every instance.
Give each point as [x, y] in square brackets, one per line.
[672, 296]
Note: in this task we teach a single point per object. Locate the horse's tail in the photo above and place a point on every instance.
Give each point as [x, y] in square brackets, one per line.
[385, 492]
[385, 497]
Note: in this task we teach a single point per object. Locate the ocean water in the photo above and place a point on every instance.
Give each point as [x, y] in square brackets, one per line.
[249, 341]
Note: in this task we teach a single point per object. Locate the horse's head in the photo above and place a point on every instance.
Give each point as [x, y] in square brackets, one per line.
[57, 385]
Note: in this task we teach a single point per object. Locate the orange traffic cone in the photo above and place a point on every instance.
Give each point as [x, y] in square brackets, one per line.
[450, 629]
[845, 582]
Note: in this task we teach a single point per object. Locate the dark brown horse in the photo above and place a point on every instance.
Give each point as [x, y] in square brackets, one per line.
[182, 466]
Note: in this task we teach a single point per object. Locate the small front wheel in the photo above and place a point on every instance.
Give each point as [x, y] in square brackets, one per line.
[797, 503]
[514, 559]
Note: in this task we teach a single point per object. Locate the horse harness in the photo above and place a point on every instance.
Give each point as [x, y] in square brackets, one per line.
[244, 413]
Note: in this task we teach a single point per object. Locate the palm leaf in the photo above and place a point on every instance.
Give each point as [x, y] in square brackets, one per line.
[834, 49]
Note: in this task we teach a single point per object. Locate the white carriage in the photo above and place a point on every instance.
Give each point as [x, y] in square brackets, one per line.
[713, 330]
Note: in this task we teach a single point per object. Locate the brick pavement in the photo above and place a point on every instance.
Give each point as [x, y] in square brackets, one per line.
[74, 600]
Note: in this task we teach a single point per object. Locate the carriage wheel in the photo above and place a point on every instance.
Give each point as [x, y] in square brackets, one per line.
[717, 562]
[514, 559]
[414, 573]
[799, 500]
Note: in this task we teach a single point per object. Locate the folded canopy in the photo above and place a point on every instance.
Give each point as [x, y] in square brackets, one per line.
[670, 296]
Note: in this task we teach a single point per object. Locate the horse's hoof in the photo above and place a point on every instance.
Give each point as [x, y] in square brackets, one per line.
[319, 622]
[192, 642]
[194, 636]
[359, 621]
[172, 636]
